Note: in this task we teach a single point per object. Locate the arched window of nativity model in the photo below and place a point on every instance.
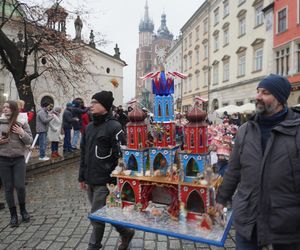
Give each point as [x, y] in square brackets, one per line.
[195, 203]
[132, 163]
[192, 168]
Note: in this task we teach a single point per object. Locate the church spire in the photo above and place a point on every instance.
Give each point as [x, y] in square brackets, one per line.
[163, 30]
[146, 25]
[146, 15]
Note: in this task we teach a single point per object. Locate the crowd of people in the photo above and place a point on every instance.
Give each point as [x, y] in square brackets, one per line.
[261, 175]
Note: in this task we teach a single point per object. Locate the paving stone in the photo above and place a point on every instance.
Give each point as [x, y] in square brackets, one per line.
[3, 246]
[111, 241]
[51, 237]
[3, 235]
[66, 232]
[137, 243]
[73, 242]
[150, 236]
[25, 236]
[188, 246]
[174, 244]
[161, 237]
[44, 244]
[32, 242]
[56, 245]
[151, 245]
[81, 246]
[62, 238]
[162, 245]
[32, 228]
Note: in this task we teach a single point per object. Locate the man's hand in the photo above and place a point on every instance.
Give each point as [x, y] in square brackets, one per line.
[219, 207]
[82, 185]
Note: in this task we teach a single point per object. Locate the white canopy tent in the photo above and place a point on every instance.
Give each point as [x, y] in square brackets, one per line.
[230, 109]
[247, 108]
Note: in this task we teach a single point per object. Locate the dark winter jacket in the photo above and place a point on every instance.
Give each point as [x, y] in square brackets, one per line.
[100, 150]
[77, 113]
[67, 119]
[268, 185]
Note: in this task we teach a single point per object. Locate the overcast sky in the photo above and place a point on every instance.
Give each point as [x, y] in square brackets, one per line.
[118, 20]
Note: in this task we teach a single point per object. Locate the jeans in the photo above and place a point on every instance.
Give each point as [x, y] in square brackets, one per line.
[54, 146]
[75, 138]
[97, 197]
[244, 244]
[12, 173]
[67, 139]
[42, 143]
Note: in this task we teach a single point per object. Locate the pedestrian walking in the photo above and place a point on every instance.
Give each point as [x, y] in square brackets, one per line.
[77, 112]
[55, 131]
[100, 150]
[264, 167]
[43, 119]
[14, 137]
[67, 127]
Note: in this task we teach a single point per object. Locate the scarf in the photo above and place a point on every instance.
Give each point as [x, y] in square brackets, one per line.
[267, 123]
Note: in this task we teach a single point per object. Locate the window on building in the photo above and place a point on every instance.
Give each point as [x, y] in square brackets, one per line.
[185, 82]
[298, 11]
[242, 25]
[190, 83]
[190, 60]
[185, 63]
[259, 16]
[185, 44]
[226, 8]
[241, 64]
[197, 56]
[216, 42]
[197, 33]
[216, 16]
[282, 62]
[226, 71]
[282, 20]
[205, 26]
[216, 73]
[258, 59]
[205, 50]
[205, 77]
[190, 39]
[298, 59]
[226, 36]
[197, 75]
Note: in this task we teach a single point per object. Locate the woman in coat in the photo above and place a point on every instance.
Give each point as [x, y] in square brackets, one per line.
[14, 138]
[55, 132]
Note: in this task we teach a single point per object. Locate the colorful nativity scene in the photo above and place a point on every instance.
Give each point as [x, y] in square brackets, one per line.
[165, 186]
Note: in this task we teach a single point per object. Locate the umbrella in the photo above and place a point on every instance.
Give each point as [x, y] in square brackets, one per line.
[230, 109]
[247, 108]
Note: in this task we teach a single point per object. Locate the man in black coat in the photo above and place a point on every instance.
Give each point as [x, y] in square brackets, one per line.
[100, 150]
[264, 167]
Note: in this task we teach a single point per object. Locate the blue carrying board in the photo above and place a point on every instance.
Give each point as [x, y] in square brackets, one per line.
[189, 230]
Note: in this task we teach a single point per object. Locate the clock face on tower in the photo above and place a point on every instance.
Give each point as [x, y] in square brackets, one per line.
[161, 54]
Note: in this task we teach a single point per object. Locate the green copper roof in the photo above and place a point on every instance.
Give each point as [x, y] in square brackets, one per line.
[10, 8]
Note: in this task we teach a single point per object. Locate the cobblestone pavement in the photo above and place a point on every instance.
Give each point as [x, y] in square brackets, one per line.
[59, 220]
